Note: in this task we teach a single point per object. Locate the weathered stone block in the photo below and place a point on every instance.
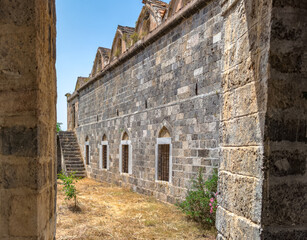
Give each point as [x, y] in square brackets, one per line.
[242, 131]
[243, 161]
[285, 163]
[23, 218]
[234, 227]
[20, 141]
[280, 198]
[241, 195]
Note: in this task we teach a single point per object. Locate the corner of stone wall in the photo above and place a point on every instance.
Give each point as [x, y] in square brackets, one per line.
[246, 35]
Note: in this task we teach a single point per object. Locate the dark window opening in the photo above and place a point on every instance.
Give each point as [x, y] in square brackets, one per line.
[97, 118]
[125, 158]
[163, 162]
[104, 156]
[73, 116]
[117, 112]
[87, 154]
[146, 104]
[196, 89]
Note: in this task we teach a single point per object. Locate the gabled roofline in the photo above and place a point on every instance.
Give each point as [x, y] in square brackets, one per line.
[160, 31]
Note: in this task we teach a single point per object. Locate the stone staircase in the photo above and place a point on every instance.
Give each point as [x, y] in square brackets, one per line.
[71, 159]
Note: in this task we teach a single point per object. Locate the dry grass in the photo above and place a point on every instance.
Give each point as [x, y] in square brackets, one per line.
[108, 212]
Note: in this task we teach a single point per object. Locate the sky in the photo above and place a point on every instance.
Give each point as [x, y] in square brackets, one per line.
[82, 27]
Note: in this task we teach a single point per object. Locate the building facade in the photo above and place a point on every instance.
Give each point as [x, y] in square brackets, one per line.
[205, 84]
[167, 96]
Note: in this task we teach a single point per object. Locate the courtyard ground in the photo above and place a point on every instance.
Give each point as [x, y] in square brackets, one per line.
[110, 212]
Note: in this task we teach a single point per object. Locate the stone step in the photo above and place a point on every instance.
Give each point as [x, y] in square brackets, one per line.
[67, 144]
[72, 159]
[70, 149]
[68, 139]
[71, 153]
[76, 165]
[73, 163]
[75, 169]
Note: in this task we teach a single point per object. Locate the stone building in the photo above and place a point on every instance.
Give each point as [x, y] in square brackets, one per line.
[205, 84]
[157, 96]
[158, 111]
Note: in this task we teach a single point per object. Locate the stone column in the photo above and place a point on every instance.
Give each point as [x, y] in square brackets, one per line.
[27, 119]
[262, 178]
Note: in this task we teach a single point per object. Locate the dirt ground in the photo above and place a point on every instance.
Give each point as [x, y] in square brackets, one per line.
[110, 212]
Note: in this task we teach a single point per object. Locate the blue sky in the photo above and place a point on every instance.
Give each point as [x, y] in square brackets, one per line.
[82, 27]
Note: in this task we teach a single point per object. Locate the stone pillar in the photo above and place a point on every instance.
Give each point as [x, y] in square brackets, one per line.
[284, 210]
[262, 177]
[244, 96]
[27, 119]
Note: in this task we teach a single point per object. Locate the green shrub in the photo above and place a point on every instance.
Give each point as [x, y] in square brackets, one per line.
[69, 188]
[58, 127]
[200, 203]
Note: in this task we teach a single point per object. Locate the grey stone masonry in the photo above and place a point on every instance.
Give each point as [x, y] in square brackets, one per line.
[174, 82]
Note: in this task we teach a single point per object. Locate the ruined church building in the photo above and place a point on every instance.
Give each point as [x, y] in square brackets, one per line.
[184, 90]
[196, 84]
[148, 115]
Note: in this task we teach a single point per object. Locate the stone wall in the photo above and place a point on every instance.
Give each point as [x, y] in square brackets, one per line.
[246, 35]
[27, 119]
[262, 177]
[173, 82]
[246, 114]
[285, 185]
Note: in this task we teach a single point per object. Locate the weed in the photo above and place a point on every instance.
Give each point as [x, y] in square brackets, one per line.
[69, 186]
[200, 203]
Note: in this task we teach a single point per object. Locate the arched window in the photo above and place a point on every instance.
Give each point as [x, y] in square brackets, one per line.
[87, 149]
[125, 154]
[164, 156]
[104, 153]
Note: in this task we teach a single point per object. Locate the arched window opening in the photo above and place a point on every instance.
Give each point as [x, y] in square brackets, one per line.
[164, 133]
[87, 151]
[164, 156]
[104, 153]
[125, 136]
[118, 50]
[125, 154]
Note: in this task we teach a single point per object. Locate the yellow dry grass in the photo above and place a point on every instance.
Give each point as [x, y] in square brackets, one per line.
[109, 212]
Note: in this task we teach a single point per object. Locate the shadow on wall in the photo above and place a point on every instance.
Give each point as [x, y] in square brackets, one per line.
[263, 119]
